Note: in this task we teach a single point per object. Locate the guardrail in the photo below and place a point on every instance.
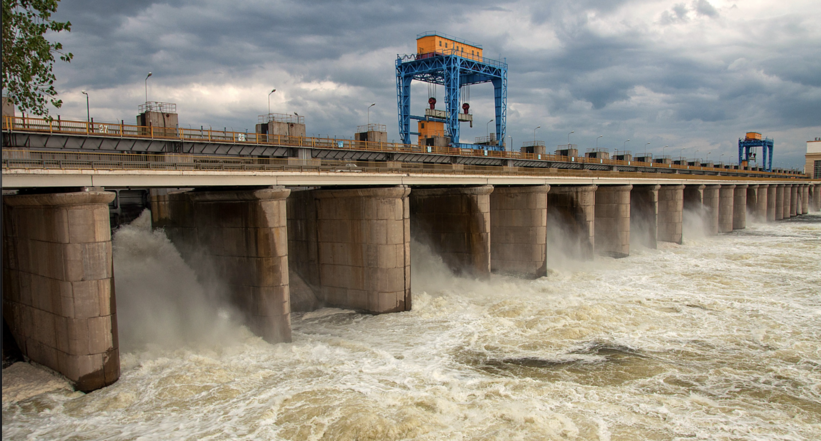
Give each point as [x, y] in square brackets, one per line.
[23, 159]
[39, 125]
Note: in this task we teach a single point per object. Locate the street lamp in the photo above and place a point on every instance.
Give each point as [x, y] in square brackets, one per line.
[568, 138]
[645, 149]
[624, 146]
[487, 130]
[597, 141]
[269, 101]
[88, 111]
[146, 87]
[534, 135]
[662, 151]
[369, 114]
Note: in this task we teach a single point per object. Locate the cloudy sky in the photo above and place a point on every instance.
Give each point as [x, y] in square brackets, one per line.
[693, 75]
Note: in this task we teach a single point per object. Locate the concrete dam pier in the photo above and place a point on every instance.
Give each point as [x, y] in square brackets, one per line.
[340, 246]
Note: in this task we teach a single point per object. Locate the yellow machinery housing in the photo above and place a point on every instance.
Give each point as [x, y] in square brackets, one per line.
[430, 129]
[753, 135]
[442, 45]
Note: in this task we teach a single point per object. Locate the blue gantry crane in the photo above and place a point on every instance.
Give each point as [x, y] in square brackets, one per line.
[754, 140]
[452, 63]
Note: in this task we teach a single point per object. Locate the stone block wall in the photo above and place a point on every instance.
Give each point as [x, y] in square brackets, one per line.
[740, 207]
[456, 223]
[572, 210]
[712, 208]
[725, 209]
[613, 220]
[644, 215]
[58, 284]
[671, 213]
[518, 230]
[240, 237]
[363, 243]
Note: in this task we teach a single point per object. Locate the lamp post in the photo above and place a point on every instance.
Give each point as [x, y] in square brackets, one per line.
[534, 135]
[662, 151]
[146, 87]
[369, 115]
[624, 146]
[645, 149]
[568, 138]
[487, 130]
[597, 141]
[88, 109]
[269, 101]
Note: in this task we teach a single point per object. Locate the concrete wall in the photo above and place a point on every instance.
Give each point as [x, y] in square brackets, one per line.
[162, 124]
[805, 199]
[58, 284]
[671, 213]
[240, 238]
[712, 208]
[779, 201]
[725, 209]
[787, 201]
[740, 207]
[363, 243]
[518, 230]
[455, 221]
[644, 215]
[571, 218]
[793, 200]
[772, 190]
[612, 226]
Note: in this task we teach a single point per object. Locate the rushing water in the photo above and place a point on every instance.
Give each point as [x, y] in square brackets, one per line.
[719, 338]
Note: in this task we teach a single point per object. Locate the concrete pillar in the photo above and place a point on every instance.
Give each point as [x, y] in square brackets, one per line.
[518, 230]
[793, 200]
[772, 189]
[740, 207]
[805, 199]
[571, 218]
[644, 215]
[816, 197]
[456, 223]
[779, 201]
[240, 238]
[725, 209]
[671, 213]
[760, 212]
[787, 201]
[58, 284]
[752, 201]
[612, 226]
[712, 208]
[364, 248]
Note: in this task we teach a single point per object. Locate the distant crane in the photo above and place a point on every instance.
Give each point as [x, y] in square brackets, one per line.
[753, 140]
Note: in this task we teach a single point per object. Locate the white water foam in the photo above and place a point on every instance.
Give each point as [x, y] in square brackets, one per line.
[713, 339]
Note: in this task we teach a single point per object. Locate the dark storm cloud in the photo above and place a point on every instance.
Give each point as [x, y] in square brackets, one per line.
[627, 68]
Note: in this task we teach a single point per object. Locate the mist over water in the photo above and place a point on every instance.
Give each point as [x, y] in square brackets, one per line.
[717, 338]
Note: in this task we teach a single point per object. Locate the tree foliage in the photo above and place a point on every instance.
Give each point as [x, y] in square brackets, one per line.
[28, 57]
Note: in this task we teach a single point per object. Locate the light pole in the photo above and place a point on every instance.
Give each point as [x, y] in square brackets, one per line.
[534, 135]
[624, 146]
[146, 87]
[597, 142]
[568, 138]
[487, 130]
[645, 149]
[662, 151]
[708, 156]
[269, 101]
[88, 109]
[369, 114]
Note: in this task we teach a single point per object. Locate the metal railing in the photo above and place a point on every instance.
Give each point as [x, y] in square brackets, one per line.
[114, 130]
[156, 106]
[24, 159]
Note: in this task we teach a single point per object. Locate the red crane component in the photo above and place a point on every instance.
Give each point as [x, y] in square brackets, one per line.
[432, 102]
[466, 107]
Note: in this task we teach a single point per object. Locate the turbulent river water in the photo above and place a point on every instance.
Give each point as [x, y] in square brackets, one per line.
[718, 338]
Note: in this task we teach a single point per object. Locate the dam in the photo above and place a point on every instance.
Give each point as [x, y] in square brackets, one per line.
[339, 233]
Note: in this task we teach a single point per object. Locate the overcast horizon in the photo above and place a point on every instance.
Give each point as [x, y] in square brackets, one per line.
[693, 75]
